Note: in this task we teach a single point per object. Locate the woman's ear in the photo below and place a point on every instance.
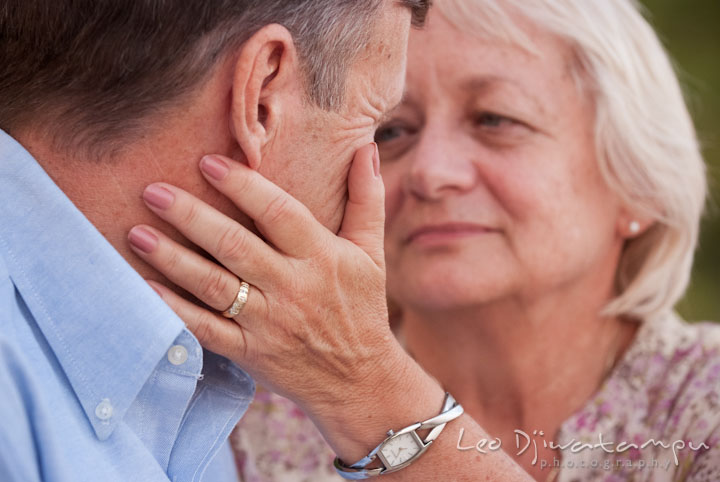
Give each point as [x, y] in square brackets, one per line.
[631, 225]
[267, 76]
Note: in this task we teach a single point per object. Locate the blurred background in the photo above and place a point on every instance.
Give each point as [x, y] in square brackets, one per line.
[690, 31]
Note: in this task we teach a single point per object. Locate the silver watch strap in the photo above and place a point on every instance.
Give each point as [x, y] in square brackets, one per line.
[358, 471]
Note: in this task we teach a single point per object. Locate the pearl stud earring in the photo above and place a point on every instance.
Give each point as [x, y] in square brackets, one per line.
[634, 227]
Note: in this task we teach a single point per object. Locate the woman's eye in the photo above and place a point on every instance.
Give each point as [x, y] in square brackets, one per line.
[395, 138]
[389, 133]
[488, 119]
[499, 130]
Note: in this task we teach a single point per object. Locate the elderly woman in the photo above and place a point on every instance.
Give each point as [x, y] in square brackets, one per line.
[544, 191]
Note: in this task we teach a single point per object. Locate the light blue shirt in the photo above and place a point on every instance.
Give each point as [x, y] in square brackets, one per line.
[99, 379]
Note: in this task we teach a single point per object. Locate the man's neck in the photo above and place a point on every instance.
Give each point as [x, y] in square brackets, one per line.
[108, 191]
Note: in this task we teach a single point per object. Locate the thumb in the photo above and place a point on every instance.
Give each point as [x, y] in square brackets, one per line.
[364, 221]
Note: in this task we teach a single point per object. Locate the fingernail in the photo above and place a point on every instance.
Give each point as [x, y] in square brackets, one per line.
[153, 285]
[376, 161]
[214, 167]
[143, 239]
[158, 197]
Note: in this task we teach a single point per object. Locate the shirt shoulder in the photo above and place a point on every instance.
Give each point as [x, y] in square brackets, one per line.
[662, 401]
[6, 283]
[687, 405]
[18, 454]
[678, 365]
[26, 403]
[11, 309]
[671, 378]
[684, 394]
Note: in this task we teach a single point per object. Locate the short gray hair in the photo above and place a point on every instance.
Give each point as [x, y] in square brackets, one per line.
[329, 36]
[646, 143]
[101, 66]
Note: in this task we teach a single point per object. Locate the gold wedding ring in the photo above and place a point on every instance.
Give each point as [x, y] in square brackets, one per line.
[239, 303]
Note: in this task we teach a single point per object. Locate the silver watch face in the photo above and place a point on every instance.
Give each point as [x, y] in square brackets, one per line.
[400, 449]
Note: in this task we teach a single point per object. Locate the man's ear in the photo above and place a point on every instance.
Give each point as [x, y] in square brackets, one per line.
[267, 75]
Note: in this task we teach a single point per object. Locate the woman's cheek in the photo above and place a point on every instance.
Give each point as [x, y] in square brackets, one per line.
[393, 193]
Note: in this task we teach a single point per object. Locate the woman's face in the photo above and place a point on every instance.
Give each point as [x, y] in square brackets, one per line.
[493, 188]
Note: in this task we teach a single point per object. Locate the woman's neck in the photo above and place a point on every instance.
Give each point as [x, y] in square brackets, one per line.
[518, 365]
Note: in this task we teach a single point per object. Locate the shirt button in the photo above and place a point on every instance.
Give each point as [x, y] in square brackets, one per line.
[104, 410]
[177, 355]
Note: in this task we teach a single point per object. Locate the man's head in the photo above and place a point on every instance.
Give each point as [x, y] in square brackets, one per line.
[297, 77]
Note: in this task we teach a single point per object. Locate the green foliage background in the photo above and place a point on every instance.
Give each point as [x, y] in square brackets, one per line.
[690, 30]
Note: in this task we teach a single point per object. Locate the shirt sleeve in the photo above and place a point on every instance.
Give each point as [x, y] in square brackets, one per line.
[18, 455]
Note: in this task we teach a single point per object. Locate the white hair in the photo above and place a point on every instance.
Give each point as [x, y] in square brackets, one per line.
[647, 148]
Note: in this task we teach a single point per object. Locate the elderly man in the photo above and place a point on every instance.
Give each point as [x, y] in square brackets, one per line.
[100, 379]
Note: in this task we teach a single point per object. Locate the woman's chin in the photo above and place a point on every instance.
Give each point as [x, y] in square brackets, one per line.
[442, 295]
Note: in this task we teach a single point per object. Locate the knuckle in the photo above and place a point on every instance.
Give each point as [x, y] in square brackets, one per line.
[243, 180]
[213, 287]
[189, 215]
[231, 244]
[326, 257]
[296, 281]
[276, 210]
[172, 261]
[245, 352]
[204, 328]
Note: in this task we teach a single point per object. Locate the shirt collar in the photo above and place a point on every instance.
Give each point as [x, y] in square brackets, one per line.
[106, 326]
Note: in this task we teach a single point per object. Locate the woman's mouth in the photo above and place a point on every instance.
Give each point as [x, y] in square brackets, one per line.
[443, 233]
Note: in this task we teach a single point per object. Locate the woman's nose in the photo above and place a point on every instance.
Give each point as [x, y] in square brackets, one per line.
[439, 167]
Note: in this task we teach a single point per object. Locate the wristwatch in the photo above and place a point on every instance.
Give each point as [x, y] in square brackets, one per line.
[403, 447]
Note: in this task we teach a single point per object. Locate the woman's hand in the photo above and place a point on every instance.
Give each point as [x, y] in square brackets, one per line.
[315, 326]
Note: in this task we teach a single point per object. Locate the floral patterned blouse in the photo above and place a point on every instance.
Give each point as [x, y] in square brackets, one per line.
[656, 418]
